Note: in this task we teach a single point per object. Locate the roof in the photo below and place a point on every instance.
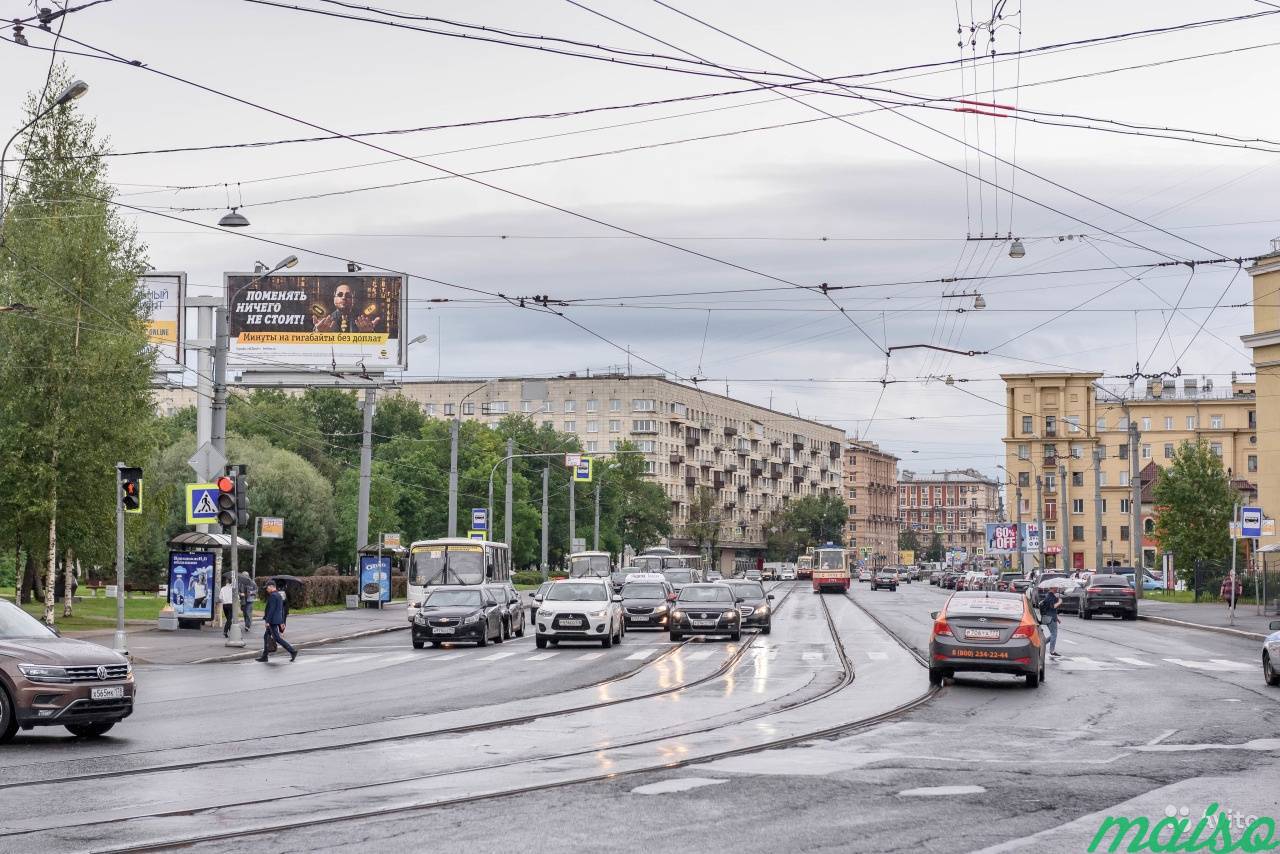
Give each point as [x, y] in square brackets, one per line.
[199, 539]
[950, 476]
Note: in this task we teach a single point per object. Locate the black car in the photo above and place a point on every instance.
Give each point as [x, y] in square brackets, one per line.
[949, 580]
[885, 578]
[619, 577]
[458, 613]
[1038, 591]
[513, 618]
[678, 577]
[536, 596]
[754, 609]
[1109, 594]
[646, 604]
[706, 609]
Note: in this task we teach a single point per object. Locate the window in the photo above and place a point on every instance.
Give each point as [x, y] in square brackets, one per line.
[593, 426]
[1026, 424]
[1077, 533]
[1146, 452]
[1253, 462]
[1191, 422]
[1168, 450]
[650, 467]
[1122, 452]
[1077, 478]
[1124, 478]
[1024, 452]
[1124, 505]
[1215, 422]
[1168, 422]
[1104, 532]
[593, 405]
[547, 407]
[497, 407]
[526, 406]
[1073, 423]
[1077, 505]
[1050, 482]
[646, 425]
[1050, 425]
[571, 426]
[431, 409]
[448, 409]
[591, 447]
[1024, 478]
[1102, 478]
[613, 444]
[468, 408]
[1124, 532]
[570, 406]
[615, 405]
[615, 425]
[1101, 426]
[646, 405]
[1253, 419]
[1149, 525]
[550, 425]
[1024, 505]
[1216, 448]
[1146, 424]
[1104, 505]
[1050, 532]
[1077, 451]
[1050, 508]
[646, 445]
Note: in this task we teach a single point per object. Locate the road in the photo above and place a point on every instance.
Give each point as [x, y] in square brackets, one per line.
[823, 735]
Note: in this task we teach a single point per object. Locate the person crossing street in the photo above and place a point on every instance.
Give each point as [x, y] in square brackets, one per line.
[226, 597]
[274, 619]
[1049, 611]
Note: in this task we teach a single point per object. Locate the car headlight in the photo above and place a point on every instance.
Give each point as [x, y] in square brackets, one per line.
[545, 612]
[598, 615]
[660, 609]
[762, 610]
[420, 618]
[677, 615]
[43, 672]
[731, 615]
[473, 618]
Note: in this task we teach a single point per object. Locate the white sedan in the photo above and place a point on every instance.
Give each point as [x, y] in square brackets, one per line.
[1271, 654]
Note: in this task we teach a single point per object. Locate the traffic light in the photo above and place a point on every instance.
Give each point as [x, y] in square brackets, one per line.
[233, 498]
[130, 482]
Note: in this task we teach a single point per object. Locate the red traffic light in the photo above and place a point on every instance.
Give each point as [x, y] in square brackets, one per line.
[226, 484]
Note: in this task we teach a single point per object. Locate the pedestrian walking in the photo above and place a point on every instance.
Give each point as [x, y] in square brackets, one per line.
[248, 595]
[273, 617]
[1049, 611]
[226, 596]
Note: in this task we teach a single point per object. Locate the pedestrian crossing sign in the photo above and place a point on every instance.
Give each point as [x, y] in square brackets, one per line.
[202, 503]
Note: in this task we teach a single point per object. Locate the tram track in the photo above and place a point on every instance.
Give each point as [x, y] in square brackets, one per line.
[846, 680]
[480, 726]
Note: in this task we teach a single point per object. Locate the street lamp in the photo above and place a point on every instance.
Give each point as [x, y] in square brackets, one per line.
[1016, 249]
[69, 94]
[979, 303]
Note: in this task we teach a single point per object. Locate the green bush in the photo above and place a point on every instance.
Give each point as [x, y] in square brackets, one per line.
[526, 577]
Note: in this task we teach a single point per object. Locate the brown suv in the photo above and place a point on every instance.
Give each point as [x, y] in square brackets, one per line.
[47, 680]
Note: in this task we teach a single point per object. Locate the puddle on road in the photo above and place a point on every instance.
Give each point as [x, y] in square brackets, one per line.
[680, 784]
[939, 791]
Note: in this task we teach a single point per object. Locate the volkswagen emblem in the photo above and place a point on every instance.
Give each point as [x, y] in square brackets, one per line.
[102, 672]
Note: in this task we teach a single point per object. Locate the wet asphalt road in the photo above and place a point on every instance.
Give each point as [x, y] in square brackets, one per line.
[1130, 709]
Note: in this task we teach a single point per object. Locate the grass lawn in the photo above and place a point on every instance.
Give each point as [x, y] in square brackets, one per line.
[95, 612]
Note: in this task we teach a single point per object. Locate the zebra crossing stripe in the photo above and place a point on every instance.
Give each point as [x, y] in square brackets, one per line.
[641, 655]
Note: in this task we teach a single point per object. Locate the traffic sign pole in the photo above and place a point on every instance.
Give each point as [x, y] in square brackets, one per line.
[120, 645]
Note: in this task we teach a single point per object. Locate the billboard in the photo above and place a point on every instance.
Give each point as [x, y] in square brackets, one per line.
[375, 579]
[1002, 538]
[192, 585]
[166, 292]
[316, 321]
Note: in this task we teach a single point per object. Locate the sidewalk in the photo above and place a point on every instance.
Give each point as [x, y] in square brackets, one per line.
[149, 645]
[1213, 616]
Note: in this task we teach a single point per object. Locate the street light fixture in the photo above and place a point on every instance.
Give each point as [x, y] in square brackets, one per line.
[69, 94]
[233, 219]
[979, 303]
[1016, 249]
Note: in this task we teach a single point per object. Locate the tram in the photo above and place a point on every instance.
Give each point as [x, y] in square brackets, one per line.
[830, 569]
[804, 566]
[454, 560]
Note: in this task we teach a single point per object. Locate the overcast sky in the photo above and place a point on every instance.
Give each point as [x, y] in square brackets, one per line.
[762, 198]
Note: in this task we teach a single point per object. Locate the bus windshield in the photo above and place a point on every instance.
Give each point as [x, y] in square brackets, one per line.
[680, 562]
[679, 576]
[460, 564]
[647, 563]
[830, 560]
[587, 565]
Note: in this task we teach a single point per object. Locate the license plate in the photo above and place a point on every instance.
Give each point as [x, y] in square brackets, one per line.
[703, 624]
[442, 631]
[114, 693]
[992, 634]
[571, 623]
[639, 619]
[1110, 603]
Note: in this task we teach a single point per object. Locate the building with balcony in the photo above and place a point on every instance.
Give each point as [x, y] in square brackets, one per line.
[1056, 422]
[871, 491]
[956, 504]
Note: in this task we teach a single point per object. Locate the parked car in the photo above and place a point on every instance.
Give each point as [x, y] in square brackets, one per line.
[948, 580]
[49, 680]
[754, 608]
[458, 613]
[988, 631]
[584, 609]
[1270, 657]
[1109, 594]
[885, 579]
[646, 603]
[706, 609]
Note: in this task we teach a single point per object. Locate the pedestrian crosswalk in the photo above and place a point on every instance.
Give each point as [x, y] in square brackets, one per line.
[1086, 663]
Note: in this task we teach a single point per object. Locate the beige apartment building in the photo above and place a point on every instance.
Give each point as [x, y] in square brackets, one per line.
[1265, 343]
[871, 490]
[1056, 422]
[956, 504]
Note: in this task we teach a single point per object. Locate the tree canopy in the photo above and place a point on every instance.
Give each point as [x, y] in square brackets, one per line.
[1195, 503]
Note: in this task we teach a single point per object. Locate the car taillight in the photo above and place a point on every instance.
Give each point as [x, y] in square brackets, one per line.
[1026, 630]
[1095, 590]
[1128, 591]
[940, 627]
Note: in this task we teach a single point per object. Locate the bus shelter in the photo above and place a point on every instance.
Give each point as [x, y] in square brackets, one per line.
[195, 570]
[377, 564]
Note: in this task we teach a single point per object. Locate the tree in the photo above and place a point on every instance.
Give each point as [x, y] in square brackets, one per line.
[908, 541]
[75, 373]
[936, 550]
[1196, 504]
[396, 415]
[634, 511]
[704, 519]
[818, 519]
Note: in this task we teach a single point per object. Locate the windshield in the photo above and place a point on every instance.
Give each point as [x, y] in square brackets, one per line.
[706, 594]
[643, 590]
[569, 591]
[1111, 581]
[16, 623]
[452, 599]
[830, 560]
[648, 563]
[680, 562]
[747, 590]
[679, 576]
[588, 565]
[1009, 607]
[448, 565]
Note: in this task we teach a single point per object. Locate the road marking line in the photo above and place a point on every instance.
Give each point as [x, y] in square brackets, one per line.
[1162, 736]
[877, 656]
[445, 657]
[1216, 664]
[588, 656]
[542, 656]
[1136, 663]
[497, 655]
[701, 655]
[1069, 640]
[812, 656]
[641, 655]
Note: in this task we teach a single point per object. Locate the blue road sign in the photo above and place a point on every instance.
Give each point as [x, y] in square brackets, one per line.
[1250, 522]
[479, 519]
[202, 503]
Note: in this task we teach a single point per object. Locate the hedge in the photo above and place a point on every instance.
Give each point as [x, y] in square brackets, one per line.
[330, 589]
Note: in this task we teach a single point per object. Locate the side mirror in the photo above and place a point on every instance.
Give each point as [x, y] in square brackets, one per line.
[617, 597]
[770, 596]
[739, 599]
[933, 615]
[1274, 626]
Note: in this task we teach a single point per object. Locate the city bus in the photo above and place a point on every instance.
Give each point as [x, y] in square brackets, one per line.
[650, 560]
[590, 564]
[804, 566]
[830, 569]
[454, 560]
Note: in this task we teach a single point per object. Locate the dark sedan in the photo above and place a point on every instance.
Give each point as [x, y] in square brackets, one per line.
[459, 613]
[645, 604]
[754, 608]
[1109, 594]
[886, 578]
[706, 609]
[983, 630]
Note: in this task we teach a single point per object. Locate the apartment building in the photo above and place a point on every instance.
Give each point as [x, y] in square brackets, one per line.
[1056, 422]
[956, 504]
[1265, 344]
[755, 459]
[871, 490]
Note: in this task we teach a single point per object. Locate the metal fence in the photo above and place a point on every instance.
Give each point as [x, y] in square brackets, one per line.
[1260, 585]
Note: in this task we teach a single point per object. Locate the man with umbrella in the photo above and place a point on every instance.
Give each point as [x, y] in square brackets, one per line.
[1049, 611]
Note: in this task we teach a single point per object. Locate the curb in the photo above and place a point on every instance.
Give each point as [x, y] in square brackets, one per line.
[1222, 630]
[249, 654]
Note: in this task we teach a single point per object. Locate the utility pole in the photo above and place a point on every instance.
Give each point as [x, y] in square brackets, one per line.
[546, 479]
[453, 476]
[1099, 452]
[573, 512]
[1064, 514]
[1017, 497]
[1135, 505]
[595, 536]
[205, 344]
[121, 644]
[511, 449]
[366, 472]
[218, 421]
[1040, 519]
